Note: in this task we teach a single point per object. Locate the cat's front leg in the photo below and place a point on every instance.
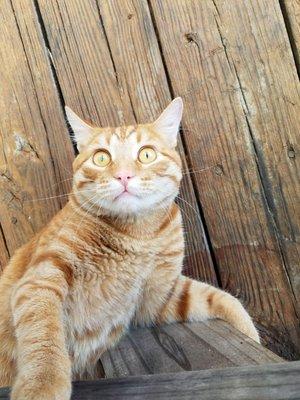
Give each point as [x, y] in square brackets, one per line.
[185, 299]
[43, 364]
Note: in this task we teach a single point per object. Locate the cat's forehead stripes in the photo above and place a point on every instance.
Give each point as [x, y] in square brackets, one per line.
[139, 134]
[123, 132]
[107, 136]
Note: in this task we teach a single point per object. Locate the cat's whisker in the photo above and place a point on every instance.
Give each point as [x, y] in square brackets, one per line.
[192, 208]
[58, 196]
[182, 210]
[59, 182]
[76, 211]
[86, 212]
[185, 213]
[187, 172]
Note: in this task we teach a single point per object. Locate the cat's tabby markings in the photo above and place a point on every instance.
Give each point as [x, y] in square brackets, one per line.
[111, 257]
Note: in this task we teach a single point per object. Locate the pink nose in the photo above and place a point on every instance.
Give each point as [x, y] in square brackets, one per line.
[124, 176]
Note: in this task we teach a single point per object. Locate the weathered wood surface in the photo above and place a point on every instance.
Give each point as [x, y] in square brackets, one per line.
[264, 382]
[4, 255]
[291, 13]
[268, 382]
[183, 347]
[240, 90]
[121, 61]
[35, 148]
[123, 82]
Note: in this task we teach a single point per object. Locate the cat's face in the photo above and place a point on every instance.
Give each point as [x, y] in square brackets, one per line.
[127, 170]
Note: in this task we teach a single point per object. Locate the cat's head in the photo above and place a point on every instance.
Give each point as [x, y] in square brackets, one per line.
[130, 169]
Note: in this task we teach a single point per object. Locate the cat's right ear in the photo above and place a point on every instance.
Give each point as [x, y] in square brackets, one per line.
[168, 122]
[80, 128]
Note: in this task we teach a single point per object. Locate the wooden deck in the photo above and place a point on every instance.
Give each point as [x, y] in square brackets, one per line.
[183, 347]
[266, 382]
[119, 61]
[188, 361]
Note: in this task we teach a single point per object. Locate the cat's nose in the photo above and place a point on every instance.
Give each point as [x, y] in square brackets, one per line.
[124, 176]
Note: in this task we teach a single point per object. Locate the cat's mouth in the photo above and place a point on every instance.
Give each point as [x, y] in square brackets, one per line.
[123, 195]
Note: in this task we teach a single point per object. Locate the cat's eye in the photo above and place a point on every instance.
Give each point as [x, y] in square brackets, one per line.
[102, 158]
[147, 155]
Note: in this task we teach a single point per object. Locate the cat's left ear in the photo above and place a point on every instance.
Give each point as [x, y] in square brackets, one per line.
[169, 121]
[80, 128]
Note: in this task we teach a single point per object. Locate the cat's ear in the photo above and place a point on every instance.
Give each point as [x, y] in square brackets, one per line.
[80, 128]
[168, 122]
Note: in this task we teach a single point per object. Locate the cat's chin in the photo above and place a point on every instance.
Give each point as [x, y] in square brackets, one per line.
[128, 205]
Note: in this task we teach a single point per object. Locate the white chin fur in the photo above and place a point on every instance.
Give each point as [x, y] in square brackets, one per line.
[131, 205]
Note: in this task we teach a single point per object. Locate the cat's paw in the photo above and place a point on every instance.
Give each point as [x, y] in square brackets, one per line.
[36, 389]
[245, 325]
[251, 332]
[239, 318]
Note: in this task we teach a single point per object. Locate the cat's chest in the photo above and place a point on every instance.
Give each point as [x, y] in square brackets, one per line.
[101, 305]
[109, 280]
[109, 286]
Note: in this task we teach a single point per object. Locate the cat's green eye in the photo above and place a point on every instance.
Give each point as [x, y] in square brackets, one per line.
[147, 155]
[102, 158]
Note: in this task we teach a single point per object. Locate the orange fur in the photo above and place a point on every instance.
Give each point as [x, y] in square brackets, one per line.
[74, 289]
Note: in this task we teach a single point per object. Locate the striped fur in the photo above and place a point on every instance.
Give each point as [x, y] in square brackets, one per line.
[100, 265]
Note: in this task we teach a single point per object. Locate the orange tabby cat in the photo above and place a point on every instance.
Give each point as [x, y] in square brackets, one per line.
[111, 257]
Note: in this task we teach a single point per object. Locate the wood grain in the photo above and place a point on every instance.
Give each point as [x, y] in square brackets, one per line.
[227, 135]
[272, 112]
[35, 150]
[291, 13]
[121, 61]
[183, 347]
[4, 255]
[264, 382]
[123, 81]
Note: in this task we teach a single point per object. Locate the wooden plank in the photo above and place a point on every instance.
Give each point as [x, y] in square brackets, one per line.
[291, 14]
[123, 81]
[183, 347]
[35, 150]
[222, 59]
[264, 382]
[273, 116]
[268, 382]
